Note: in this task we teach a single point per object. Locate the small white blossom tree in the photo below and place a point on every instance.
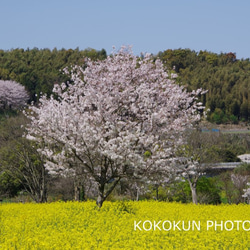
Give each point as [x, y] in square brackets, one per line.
[195, 156]
[12, 95]
[246, 193]
[125, 117]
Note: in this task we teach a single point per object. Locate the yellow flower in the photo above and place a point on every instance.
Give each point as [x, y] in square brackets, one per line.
[160, 225]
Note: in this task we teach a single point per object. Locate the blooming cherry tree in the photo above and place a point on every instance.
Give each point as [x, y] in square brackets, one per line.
[121, 116]
[246, 193]
[12, 95]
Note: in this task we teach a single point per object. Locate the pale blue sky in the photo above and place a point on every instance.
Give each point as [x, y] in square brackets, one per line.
[150, 26]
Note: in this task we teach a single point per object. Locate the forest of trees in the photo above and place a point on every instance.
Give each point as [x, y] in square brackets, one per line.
[39, 69]
[226, 78]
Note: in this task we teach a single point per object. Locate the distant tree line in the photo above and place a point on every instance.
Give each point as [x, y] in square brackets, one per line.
[39, 69]
[226, 78]
[22, 166]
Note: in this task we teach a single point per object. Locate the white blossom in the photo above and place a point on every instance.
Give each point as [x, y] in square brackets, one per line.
[116, 112]
[12, 95]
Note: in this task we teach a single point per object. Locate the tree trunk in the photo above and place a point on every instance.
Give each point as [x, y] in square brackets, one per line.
[194, 195]
[77, 193]
[193, 190]
[82, 193]
[102, 195]
[43, 196]
[157, 192]
[137, 194]
[43, 187]
[101, 198]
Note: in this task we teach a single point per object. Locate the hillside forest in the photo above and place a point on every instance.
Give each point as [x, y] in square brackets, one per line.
[226, 78]
[227, 101]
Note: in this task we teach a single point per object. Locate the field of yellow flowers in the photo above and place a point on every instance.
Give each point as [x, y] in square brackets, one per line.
[124, 225]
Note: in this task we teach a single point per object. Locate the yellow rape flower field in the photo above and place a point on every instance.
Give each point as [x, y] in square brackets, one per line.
[124, 225]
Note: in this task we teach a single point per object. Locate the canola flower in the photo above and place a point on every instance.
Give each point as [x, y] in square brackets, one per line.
[124, 225]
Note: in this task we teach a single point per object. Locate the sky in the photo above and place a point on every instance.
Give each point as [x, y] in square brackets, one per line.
[218, 26]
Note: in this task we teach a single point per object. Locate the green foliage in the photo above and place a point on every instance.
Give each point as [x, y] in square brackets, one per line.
[230, 156]
[9, 186]
[226, 79]
[234, 145]
[38, 70]
[147, 154]
[232, 184]
[207, 191]
[228, 98]
[21, 167]
[10, 131]
[243, 169]
[180, 192]
[218, 116]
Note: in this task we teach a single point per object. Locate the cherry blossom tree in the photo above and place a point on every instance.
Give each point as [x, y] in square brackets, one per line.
[12, 95]
[198, 152]
[121, 116]
[246, 194]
